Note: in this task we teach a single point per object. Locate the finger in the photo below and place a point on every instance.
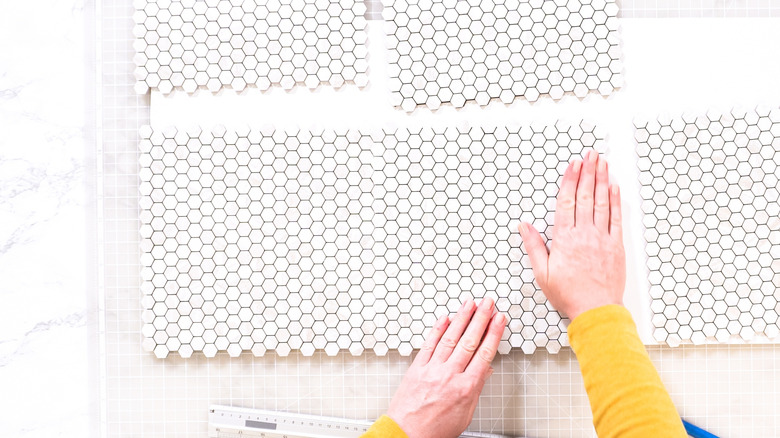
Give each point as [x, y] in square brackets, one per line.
[584, 209]
[615, 214]
[480, 364]
[429, 346]
[470, 340]
[451, 337]
[601, 203]
[564, 206]
[537, 251]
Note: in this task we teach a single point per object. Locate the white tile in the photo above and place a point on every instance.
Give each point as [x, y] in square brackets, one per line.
[706, 235]
[292, 260]
[222, 44]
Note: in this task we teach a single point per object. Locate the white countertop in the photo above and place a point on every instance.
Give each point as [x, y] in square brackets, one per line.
[43, 303]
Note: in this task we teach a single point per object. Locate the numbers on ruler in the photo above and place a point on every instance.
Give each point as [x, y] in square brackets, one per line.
[331, 427]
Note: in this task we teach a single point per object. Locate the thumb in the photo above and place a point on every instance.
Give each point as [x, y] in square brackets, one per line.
[536, 249]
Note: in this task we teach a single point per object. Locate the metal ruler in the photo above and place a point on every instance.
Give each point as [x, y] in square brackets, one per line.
[232, 422]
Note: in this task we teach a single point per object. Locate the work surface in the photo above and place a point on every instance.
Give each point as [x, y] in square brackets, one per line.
[731, 390]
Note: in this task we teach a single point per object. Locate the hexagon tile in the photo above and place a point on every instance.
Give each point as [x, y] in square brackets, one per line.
[451, 51]
[215, 44]
[343, 240]
[710, 190]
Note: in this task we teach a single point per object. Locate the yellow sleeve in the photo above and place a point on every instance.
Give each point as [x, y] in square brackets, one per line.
[384, 427]
[626, 394]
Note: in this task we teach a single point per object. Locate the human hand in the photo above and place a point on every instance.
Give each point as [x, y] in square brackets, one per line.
[438, 395]
[586, 265]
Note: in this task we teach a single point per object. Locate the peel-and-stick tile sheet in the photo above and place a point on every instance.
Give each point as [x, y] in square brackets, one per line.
[452, 52]
[709, 185]
[265, 240]
[216, 44]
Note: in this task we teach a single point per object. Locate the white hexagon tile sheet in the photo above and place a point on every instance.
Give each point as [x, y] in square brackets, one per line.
[216, 44]
[261, 240]
[452, 51]
[709, 185]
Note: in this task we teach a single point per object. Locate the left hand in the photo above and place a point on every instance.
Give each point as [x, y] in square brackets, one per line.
[439, 393]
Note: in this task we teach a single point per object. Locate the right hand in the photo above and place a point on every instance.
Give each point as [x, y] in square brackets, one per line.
[586, 265]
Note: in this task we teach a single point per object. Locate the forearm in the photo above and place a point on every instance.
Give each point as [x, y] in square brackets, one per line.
[626, 394]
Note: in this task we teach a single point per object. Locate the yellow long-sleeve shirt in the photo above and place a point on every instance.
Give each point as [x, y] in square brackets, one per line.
[626, 394]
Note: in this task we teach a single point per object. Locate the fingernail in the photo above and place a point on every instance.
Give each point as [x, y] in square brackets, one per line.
[593, 155]
[499, 319]
[466, 304]
[441, 320]
[577, 165]
[522, 227]
[602, 165]
[487, 303]
[615, 189]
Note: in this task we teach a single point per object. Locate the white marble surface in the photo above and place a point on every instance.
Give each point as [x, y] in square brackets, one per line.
[43, 301]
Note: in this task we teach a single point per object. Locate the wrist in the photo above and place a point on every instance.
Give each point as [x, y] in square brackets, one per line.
[388, 423]
[585, 309]
[401, 421]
